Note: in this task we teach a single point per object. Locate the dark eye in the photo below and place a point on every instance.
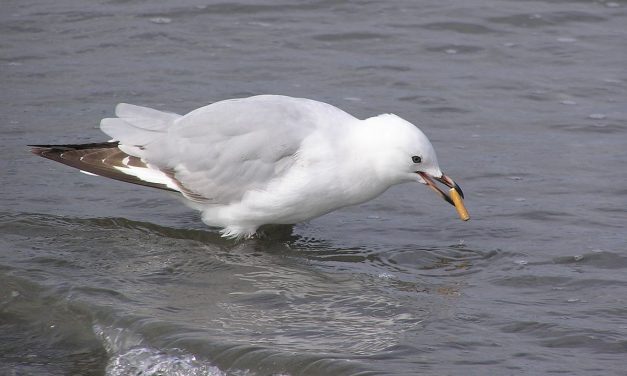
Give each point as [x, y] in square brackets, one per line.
[416, 159]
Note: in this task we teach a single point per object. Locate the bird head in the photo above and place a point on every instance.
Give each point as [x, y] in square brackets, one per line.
[404, 153]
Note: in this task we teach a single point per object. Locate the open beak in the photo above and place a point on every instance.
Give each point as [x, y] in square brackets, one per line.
[444, 180]
[456, 194]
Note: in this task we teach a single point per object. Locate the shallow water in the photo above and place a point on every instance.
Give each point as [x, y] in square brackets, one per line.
[525, 102]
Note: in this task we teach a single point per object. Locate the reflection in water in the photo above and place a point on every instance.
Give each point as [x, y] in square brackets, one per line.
[291, 295]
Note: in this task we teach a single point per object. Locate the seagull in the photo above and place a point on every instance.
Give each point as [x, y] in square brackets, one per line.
[266, 159]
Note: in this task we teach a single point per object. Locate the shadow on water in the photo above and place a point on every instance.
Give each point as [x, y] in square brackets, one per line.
[83, 243]
[272, 239]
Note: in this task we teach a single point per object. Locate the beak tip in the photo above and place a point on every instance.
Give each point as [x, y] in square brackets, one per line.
[459, 190]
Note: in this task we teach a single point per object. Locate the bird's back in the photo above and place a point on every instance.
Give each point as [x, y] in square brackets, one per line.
[219, 152]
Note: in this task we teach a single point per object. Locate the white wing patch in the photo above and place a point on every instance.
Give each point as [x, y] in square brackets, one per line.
[148, 174]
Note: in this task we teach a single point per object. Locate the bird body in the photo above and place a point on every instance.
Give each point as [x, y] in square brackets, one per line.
[266, 159]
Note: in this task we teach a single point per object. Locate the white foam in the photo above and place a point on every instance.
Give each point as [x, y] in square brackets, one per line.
[129, 355]
[148, 361]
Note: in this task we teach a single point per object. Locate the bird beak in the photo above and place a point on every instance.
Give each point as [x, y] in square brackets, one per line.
[456, 195]
[444, 180]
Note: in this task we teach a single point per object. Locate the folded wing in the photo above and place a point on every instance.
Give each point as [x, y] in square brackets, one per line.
[213, 155]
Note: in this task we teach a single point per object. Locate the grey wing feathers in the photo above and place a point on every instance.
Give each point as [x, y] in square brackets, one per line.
[213, 155]
[229, 148]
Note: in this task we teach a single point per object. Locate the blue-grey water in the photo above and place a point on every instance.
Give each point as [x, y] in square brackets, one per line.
[525, 102]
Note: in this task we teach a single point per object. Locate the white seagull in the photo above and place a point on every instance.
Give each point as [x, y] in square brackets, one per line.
[266, 159]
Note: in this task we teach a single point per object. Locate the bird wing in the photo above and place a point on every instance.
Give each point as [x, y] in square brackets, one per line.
[104, 159]
[219, 152]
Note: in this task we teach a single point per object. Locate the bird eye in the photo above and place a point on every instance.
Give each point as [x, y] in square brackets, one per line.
[416, 159]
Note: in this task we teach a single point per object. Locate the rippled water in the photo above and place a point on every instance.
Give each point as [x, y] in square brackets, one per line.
[525, 101]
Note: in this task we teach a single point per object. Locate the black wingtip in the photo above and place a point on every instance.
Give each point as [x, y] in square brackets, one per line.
[39, 149]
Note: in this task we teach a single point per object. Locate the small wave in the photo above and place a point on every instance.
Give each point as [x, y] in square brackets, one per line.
[147, 361]
[536, 20]
[351, 36]
[597, 258]
[128, 355]
[459, 27]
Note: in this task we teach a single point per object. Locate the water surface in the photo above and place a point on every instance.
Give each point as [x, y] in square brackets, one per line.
[525, 102]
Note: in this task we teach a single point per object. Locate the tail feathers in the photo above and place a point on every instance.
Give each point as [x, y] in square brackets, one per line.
[145, 117]
[129, 132]
[137, 126]
[106, 159]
